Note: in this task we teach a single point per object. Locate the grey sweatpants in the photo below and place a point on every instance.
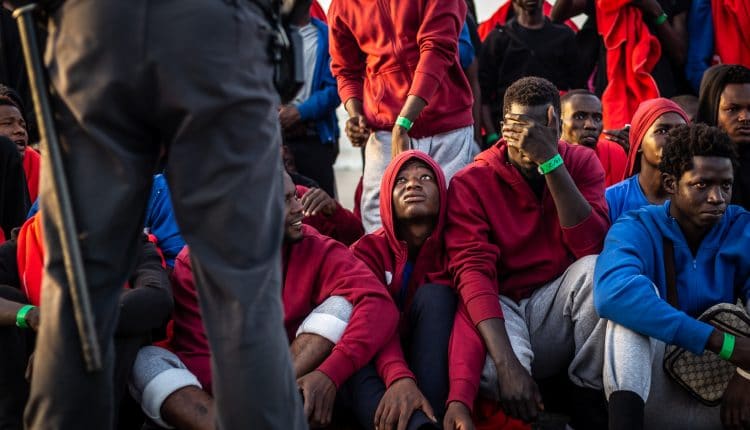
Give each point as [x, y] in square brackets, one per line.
[452, 150]
[634, 362]
[557, 328]
[132, 78]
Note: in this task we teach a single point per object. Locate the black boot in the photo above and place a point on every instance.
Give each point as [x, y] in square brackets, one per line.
[625, 411]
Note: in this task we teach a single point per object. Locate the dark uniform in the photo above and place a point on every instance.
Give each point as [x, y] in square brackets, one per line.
[195, 76]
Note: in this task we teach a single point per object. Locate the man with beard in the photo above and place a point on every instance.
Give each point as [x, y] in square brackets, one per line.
[724, 102]
[582, 125]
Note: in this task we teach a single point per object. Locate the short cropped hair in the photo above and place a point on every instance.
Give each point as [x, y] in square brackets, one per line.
[694, 140]
[532, 91]
[577, 92]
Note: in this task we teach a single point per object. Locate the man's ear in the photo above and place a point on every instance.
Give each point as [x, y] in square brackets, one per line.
[669, 182]
[553, 121]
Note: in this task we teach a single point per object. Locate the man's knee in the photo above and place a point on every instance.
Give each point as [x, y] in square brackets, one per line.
[329, 319]
[157, 374]
[435, 298]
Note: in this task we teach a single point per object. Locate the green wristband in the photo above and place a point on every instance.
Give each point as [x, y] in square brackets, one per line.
[727, 348]
[550, 165]
[21, 316]
[492, 138]
[404, 122]
[661, 19]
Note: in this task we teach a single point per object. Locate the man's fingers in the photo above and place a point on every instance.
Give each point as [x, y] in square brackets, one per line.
[403, 418]
[550, 116]
[427, 409]
[379, 414]
[308, 404]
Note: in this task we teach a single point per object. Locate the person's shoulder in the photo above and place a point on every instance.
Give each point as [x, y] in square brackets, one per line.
[578, 155]
[320, 25]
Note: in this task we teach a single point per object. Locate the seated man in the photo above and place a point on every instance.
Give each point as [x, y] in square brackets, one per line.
[409, 384]
[328, 344]
[642, 185]
[582, 125]
[709, 238]
[724, 102]
[328, 216]
[145, 305]
[13, 126]
[522, 220]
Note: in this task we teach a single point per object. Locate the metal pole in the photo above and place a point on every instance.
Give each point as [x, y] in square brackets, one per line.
[60, 200]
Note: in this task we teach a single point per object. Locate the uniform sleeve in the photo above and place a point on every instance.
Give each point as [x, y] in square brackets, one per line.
[472, 258]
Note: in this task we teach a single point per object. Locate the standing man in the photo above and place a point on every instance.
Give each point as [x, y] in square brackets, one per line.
[308, 123]
[399, 77]
[130, 79]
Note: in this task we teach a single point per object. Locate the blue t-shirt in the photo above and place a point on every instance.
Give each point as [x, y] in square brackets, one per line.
[624, 196]
[401, 299]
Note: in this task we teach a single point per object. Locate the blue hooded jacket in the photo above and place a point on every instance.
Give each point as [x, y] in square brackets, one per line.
[630, 271]
[324, 97]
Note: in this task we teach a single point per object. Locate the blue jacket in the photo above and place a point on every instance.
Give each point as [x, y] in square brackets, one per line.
[700, 42]
[324, 97]
[161, 222]
[630, 270]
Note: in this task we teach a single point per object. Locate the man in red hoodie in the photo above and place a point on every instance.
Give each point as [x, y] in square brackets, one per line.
[400, 80]
[521, 220]
[416, 374]
[336, 314]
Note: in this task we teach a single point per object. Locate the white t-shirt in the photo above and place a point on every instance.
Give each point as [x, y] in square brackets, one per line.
[310, 44]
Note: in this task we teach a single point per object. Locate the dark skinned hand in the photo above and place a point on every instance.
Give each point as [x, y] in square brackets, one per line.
[735, 406]
[399, 402]
[457, 417]
[319, 393]
[619, 136]
[519, 394]
[288, 116]
[532, 138]
[357, 131]
[32, 318]
[316, 201]
[400, 141]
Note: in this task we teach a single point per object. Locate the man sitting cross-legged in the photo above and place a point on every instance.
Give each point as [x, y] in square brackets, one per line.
[354, 318]
[709, 239]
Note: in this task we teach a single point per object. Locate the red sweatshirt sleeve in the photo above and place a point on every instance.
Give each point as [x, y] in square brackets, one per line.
[587, 237]
[391, 364]
[438, 44]
[466, 357]
[374, 316]
[347, 60]
[342, 225]
[472, 258]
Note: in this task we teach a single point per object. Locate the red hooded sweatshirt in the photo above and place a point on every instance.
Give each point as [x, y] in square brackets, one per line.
[645, 116]
[732, 31]
[613, 159]
[632, 53]
[384, 50]
[342, 225]
[315, 268]
[387, 256]
[31, 165]
[501, 238]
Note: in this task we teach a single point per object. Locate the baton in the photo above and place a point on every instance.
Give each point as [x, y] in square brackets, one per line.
[60, 202]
